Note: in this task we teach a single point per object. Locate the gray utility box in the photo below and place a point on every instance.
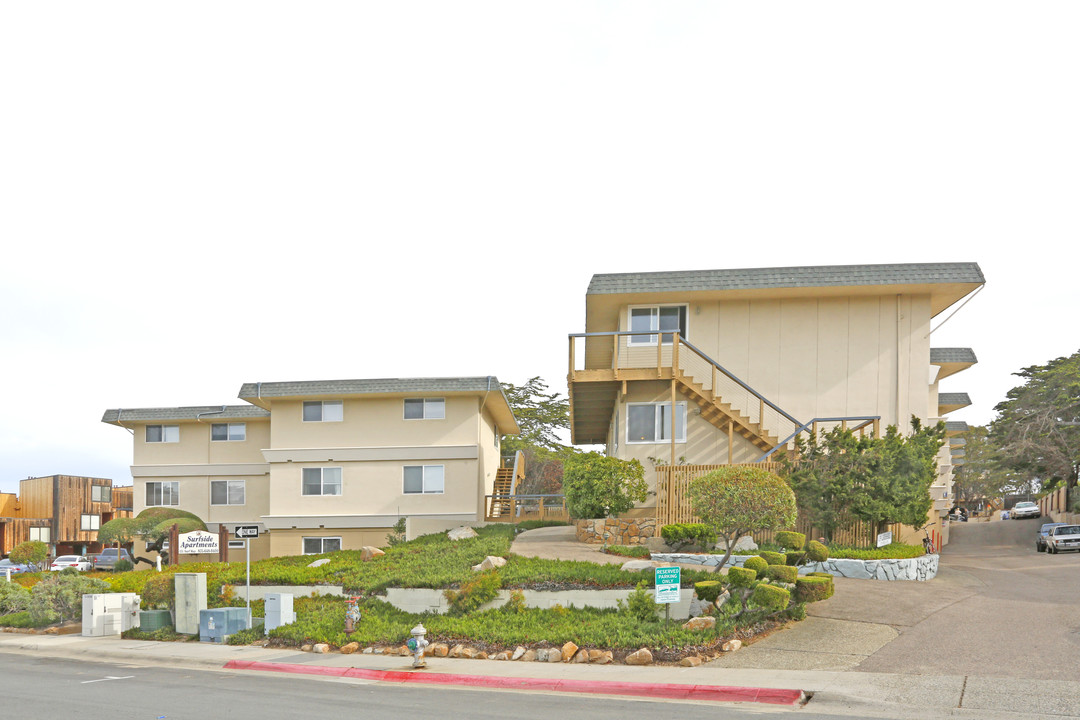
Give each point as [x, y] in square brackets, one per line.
[109, 613]
[278, 610]
[190, 601]
[217, 624]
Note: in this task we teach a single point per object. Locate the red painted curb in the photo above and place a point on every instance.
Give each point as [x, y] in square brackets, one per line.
[714, 693]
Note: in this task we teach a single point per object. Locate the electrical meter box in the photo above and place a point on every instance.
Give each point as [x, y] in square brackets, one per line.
[279, 610]
[109, 613]
[217, 624]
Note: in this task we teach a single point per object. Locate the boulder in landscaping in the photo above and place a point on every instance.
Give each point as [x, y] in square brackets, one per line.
[700, 623]
[640, 657]
[350, 648]
[461, 533]
[320, 648]
[639, 565]
[568, 651]
[369, 553]
[731, 646]
[690, 661]
[489, 563]
[528, 656]
[319, 563]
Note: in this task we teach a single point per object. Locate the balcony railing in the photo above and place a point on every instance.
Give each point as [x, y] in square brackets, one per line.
[516, 508]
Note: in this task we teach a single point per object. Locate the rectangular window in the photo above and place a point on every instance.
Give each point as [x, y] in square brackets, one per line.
[324, 411]
[322, 481]
[423, 479]
[101, 493]
[425, 409]
[228, 432]
[226, 492]
[651, 422]
[162, 433]
[671, 318]
[90, 522]
[320, 545]
[41, 533]
[162, 493]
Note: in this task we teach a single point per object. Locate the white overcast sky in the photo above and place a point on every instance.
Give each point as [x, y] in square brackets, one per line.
[196, 195]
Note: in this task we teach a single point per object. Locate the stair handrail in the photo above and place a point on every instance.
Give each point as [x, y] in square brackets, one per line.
[519, 462]
[866, 420]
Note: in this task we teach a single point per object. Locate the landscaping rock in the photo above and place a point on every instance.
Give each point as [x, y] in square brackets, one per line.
[731, 646]
[369, 651]
[696, 606]
[581, 656]
[723, 598]
[480, 655]
[320, 648]
[700, 623]
[370, 553]
[455, 652]
[554, 655]
[468, 653]
[606, 658]
[350, 648]
[305, 648]
[319, 563]
[690, 661]
[529, 656]
[502, 656]
[519, 652]
[656, 545]
[437, 650]
[639, 565]
[489, 563]
[461, 533]
[568, 651]
[639, 657]
[745, 544]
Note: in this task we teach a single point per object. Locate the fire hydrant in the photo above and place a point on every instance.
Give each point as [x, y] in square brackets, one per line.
[417, 644]
[352, 615]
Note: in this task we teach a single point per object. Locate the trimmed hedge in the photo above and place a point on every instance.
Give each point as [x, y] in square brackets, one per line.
[816, 552]
[782, 573]
[741, 577]
[773, 558]
[708, 590]
[793, 558]
[811, 588]
[756, 563]
[680, 535]
[790, 540]
[770, 597]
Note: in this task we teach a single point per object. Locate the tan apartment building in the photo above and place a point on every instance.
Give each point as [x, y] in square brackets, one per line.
[749, 358]
[325, 465]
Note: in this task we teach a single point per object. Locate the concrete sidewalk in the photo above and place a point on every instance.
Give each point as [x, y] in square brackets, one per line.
[831, 692]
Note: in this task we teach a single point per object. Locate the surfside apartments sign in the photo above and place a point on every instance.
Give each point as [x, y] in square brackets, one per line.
[198, 542]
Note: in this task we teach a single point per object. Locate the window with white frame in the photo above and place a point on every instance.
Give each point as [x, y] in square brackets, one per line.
[324, 411]
[90, 522]
[42, 534]
[162, 433]
[322, 481]
[226, 492]
[423, 479]
[162, 493]
[228, 432]
[651, 422]
[666, 318]
[101, 493]
[320, 545]
[425, 409]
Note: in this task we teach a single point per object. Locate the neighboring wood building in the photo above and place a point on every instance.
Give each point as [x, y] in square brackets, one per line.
[64, 511]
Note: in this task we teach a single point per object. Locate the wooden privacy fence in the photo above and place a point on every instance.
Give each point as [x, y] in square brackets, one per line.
[673, 506]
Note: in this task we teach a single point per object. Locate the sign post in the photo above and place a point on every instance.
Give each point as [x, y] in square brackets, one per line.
[245, 533]
[668, 587]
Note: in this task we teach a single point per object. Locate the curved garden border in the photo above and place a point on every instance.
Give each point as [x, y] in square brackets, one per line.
[920, 568]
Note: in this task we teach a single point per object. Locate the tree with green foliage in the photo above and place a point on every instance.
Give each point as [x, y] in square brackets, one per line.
[151, 526]
[741, 499]
[597, 486]
[983, 474]
[828, 473]
[541, 416]
[60, 596]
[1037, 429]
[30, 551]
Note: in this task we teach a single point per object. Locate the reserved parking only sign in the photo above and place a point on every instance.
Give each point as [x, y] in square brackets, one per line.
[668, 584]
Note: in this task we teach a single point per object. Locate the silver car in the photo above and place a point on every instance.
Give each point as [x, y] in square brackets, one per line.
[1025, 510]
[1063, 537]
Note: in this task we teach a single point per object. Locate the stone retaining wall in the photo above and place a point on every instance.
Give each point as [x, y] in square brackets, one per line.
[920, 568]
[616, 531]
[421, 600]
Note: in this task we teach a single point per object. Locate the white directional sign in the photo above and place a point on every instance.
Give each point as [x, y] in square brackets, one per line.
[246, 531]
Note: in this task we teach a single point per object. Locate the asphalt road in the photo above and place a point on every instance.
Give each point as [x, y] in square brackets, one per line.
[998, 608]
[51, 689]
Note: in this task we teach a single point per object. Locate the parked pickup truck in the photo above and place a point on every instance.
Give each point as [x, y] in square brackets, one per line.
[107, 558]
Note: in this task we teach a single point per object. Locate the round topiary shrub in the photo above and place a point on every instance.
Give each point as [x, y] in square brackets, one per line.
[708, 590]
[790, 540]
[782, 573]
[816, 552]
[812, 588]
[741, 577]
[770, 598]
[794, 558]
[773, 558]
[756, 563]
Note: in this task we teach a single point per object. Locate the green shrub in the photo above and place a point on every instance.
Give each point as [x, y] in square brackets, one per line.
[770, 598]
[796, 612]
[820, 574]
[790, 540]
[816, 552]
[640, 605]
[782, 573]
[516, 603]
[29, 551]
[473, 593]
[61, 595]
[13, 598]
[598, 486]
[681, 535]
[243, 637]
[811, 588]
[396, 536]
[795, 557]
[708, 590]
[773, 558]
[892, 551]
[159, 592]
[23, 619]
[741, 576]
[757, 564]
[123, 565]
[632, 551]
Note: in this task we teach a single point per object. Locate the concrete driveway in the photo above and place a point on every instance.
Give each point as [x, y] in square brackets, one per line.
[996, 609]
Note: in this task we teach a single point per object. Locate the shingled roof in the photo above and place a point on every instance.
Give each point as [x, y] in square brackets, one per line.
[787, 277]
[117, 416]
[488, 383]
[952, 355]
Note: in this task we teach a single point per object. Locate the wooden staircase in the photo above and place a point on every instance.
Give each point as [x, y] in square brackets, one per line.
[722, 414]
[502, 492]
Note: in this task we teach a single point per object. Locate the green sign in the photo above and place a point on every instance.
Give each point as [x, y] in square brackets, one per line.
[668, 583]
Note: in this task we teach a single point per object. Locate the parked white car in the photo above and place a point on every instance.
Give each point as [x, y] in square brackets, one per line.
[79, 562]
[1063, 537]
[1025, 510]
